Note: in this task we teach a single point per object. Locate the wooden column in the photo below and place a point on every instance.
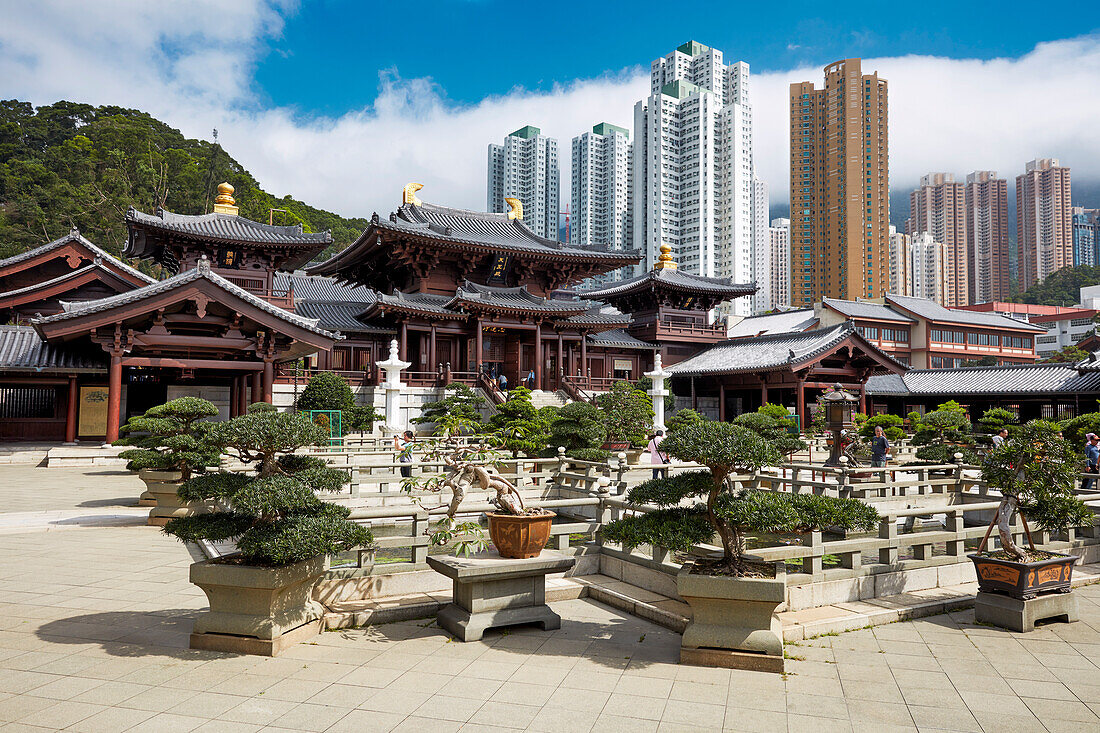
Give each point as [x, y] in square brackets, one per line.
[233, 386]
[256, 395]
[538, 356]
[269, 380]
[405, 342]
[70, 412]
[800, 402]
[561, 360]
[863, 397]
[694, 400]
[763, 390]
[114, 396]
[433, 364]
[584, 354]
[242, 395]
[480, 348]
[721, 402]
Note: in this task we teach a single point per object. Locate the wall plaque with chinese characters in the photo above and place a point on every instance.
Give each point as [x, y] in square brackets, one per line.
[92, 420]
[229, 258]
[498, 274]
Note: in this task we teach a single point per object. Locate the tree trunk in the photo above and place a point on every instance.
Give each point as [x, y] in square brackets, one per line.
[1005, 513]
[729, 546]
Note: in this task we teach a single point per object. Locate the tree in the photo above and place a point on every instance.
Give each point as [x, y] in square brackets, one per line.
[996, 419]
[777, 431]
[1036, 472]
[724, 449]
[579, 425]
[777, 411]
[1076, 428]
[521, 427]
[330, 391]
[457, 413]
[273, 512]
[942, 433]
[172, 437]
[891, 427]
[1062, 287]
[1069, 355]
[627, 413]
[683, 418]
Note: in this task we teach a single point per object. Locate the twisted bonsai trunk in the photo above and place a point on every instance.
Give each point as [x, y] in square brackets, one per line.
[1005, 512]
[731, 542]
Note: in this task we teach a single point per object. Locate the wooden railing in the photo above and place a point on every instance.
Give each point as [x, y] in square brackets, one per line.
[290, 373]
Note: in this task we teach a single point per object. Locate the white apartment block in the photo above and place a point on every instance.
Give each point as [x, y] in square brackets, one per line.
[693, 166]
[525, 167]
[602, 183]
[764, 299]
[779, 242]
[901, 282]
[927, 267]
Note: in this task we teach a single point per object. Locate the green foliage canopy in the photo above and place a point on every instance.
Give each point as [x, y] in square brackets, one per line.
[172, 436]
[891, 427]
[457, 413]
[329, 391]
[1062, 287]
[627, 413]
[578, 425]
[521, 427]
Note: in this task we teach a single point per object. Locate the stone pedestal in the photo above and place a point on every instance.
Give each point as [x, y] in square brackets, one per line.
[491, 591]
[1017, 615]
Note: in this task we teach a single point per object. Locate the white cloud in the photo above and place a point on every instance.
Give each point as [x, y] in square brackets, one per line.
[191, 64]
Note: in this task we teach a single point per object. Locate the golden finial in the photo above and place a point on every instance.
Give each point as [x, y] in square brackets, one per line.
[223, 202]
[516, 212]
[408, 194]
[664, 262]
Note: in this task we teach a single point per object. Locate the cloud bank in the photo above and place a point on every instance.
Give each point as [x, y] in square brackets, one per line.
[190, 65]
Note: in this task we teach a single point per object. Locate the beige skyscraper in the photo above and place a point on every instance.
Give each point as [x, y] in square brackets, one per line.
[938, 207]
[987, 236]
[840, 205]
[1044, 220]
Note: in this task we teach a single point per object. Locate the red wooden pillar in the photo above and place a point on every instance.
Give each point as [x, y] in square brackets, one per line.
[584, 355]
[70, 413]
[480, 349]
[256, 394]
[242, 395]
[233, 386]
[433, 364]
[561, 360]
[863, 398]
[114, 396]
[721, 402]
[763, 390]
[538, 356]
[269, 380]
[800, 402]
[404, 350]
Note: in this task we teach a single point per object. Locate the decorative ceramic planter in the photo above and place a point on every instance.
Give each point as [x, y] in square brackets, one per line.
[256, 610]
[733, 622]
[520, 536]
[1024, 580]
[163, 485]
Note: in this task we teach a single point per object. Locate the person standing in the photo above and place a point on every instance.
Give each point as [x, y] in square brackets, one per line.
[880, 447]
[502, 382]
[999, 438]
[531, 380]
[1092, 461]
[403, 444]
[656, 457]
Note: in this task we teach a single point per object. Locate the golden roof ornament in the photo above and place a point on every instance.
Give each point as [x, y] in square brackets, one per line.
[664, 262]
[224, 202]
[516, 210]
[408, 194]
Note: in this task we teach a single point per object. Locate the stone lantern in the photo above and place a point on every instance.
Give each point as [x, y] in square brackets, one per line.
[395, 422]
[838, 406]
[658, 392]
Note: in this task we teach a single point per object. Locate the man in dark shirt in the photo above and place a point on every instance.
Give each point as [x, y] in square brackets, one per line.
[880, 447]
[1092, 460]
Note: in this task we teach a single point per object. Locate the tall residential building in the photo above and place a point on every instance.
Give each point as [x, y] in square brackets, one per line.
[901, 281]
[927, 267]
[693, 165]
[1086, 236]
[939, 208]
[840, 191]
[987, 237]
[764, 299]
[525, 167]
[1044, 221]
[602, 183]
[779, 240]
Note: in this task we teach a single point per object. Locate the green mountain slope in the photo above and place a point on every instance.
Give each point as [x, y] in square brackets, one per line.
[70, 164]
[1062, 287]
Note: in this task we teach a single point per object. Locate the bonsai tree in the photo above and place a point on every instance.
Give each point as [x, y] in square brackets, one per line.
[993, 421]
[273, 512]
[718, 509]
[683, 418]
[329, 391]
[520, 426]
[942, 433]
[891, 426]
[578, 426]
[777, 431]
[772, 410]
[172, 437]
[1035, 471]
[1076, 428]
[627, 413]
[457, 413]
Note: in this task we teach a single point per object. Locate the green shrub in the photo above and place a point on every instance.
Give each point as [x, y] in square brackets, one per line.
[578, 425]
[457, 413]
[589, 454]
[627, 413]
[891, 427]
[683, 418]
[777, 411]
[520, 427]
[774, 430]
[172, 436]
[1076, 428]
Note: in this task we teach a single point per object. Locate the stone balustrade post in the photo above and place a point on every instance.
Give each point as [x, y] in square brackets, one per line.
[888, 530]
[813, 565]
[419, 525]
[956, 522]
[603, 493]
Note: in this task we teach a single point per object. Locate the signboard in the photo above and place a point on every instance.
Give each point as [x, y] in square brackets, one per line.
[623, 365]
[93, 411]
[229, 258]
[498, 274]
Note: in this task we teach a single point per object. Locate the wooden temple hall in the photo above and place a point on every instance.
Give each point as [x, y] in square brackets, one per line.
[243, 306]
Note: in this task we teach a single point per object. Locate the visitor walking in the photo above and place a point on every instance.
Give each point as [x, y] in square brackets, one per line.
[880, 447]
[502, 382]
[403, 444]
[1092, 460]
[531, 380]
[999, 438]
[656, 457]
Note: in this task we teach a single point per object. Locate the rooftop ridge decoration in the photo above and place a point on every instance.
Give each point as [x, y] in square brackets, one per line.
[408, 194]
[224, 202]
[515, 207]
[665, 262]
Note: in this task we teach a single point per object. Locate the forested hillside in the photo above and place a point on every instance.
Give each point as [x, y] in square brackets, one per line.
[1063, 287]
[72, 164]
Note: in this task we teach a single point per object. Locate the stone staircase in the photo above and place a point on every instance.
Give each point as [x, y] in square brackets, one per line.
[555, 399]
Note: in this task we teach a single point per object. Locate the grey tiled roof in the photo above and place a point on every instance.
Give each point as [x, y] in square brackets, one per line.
[70, 275]
[75, 234]
[226, 228]
[763, 352]
[424, 302]
[1015, 379]
[515, 299]
[676, 280]
[319, 287]
[619, 338]
[887, 385]
[337, 315]
[865, 309]
[793, 321]
[23, 350]
[74, 310]
[598, 315]
[1091, 364]
[933, 311]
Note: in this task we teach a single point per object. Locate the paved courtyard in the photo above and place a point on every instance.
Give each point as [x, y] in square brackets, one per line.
[95, 612]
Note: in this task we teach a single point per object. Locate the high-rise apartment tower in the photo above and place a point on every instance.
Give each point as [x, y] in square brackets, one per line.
[1044, 221]
[693, 165]
[939, 208]
[779, 236]
[1086, 236]
[840, 204]
[987, 237]
[525, 167]
[901, 281]
[764, 300]
[601, 213]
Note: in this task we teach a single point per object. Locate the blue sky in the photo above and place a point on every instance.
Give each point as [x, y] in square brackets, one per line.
[330, 52]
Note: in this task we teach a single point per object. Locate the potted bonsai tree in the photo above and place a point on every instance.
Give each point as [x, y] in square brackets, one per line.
[170, 443]
[732, 597]
[260, 596]
[521, 426]
[942, 433]
[1035, 471]
[579, 428]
